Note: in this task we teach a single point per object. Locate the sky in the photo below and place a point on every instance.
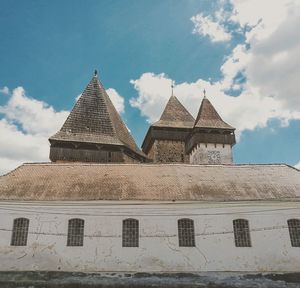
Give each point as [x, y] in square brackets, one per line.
[244, 53]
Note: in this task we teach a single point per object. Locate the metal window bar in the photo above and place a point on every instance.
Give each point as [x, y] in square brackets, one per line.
[75, 232]
[241, 233]
[20, 232]
[130, 233]
[186, 233]
[294, 230]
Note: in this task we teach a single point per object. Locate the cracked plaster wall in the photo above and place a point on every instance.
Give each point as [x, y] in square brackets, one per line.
[158, 244]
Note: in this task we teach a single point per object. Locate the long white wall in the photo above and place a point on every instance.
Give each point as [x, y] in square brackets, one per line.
[158, 244]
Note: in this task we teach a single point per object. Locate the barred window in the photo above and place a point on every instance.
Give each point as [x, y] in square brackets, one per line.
[241, 233]
[186, 233]
[75, 232]
[294, 229]
[130, 233]
[20, 232]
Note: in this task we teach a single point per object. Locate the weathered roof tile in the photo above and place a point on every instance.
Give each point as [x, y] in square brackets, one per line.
[94, 119]
[163, 182]
[175, 115]
[208, 117]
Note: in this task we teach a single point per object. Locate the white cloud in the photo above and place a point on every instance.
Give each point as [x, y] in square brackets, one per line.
[297, 166]
[4, 90]
[268, 59]
[206, 26]
[116, 99]
[35, 117]
[25, 126]
[154, 90]
[27, 123]
[17, 147]
[247, 111]
[271, 64]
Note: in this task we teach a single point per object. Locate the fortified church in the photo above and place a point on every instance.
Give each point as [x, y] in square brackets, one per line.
[178, 205]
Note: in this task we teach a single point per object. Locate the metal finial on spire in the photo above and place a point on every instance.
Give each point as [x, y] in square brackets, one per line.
[204, 93]
[172, 86]
[95, 73]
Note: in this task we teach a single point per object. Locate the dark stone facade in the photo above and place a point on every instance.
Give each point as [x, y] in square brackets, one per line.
[168, 151]
[92, 153]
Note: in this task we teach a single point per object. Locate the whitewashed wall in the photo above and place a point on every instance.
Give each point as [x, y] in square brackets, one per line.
[158, 250]
[211, 154]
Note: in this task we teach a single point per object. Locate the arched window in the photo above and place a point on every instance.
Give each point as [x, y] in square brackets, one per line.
[20, 232]
[186, 233]
[130, 233]
[241, 233]
[75, 232]
[294, 229]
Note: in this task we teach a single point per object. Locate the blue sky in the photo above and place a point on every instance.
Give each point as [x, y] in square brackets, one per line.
[49, 49]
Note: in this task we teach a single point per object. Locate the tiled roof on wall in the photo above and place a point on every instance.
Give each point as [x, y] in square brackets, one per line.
[163, 182]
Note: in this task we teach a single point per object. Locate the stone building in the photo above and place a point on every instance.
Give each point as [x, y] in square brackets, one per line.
[94, 132]
[211, 139]
[165, 139]
[191, 210]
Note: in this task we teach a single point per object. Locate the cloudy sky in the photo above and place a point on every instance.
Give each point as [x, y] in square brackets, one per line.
[245, 53]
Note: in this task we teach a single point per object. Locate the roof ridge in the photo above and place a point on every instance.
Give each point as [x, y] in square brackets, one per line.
[12, 171]
[151, 164]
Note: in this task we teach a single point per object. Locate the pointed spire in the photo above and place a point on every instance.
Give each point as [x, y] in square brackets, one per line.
[175, 115]
[172, 87]
[94, 119]
[95, 73]
[208, 117]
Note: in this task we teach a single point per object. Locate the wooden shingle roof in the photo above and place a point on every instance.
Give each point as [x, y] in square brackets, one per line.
[162, 182]
[94, 119]
[175, 115]
[208, 117]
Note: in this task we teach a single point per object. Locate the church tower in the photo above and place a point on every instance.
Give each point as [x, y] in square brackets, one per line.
[211, 139]
[165, 139]
[94, 132]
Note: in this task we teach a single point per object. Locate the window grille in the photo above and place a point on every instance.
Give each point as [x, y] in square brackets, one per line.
[241, 233]
[75, 232]
[20, 232]
[186, 233]
[294, 230]
[130, 233]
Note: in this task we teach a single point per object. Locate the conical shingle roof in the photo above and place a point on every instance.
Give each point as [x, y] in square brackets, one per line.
[94, 119]
[208, 117]
[175, 115]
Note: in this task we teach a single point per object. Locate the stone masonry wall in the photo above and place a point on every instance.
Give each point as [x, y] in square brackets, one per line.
[168, 151]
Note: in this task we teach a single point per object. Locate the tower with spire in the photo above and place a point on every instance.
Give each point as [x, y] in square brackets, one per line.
[165, 139]
[211, 139]
[94, 131]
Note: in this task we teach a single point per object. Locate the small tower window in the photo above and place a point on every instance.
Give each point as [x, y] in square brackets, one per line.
[75, 232]
[20, 232]
[186, 233]
[294, 230]
[130, 233]
[241, 233]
